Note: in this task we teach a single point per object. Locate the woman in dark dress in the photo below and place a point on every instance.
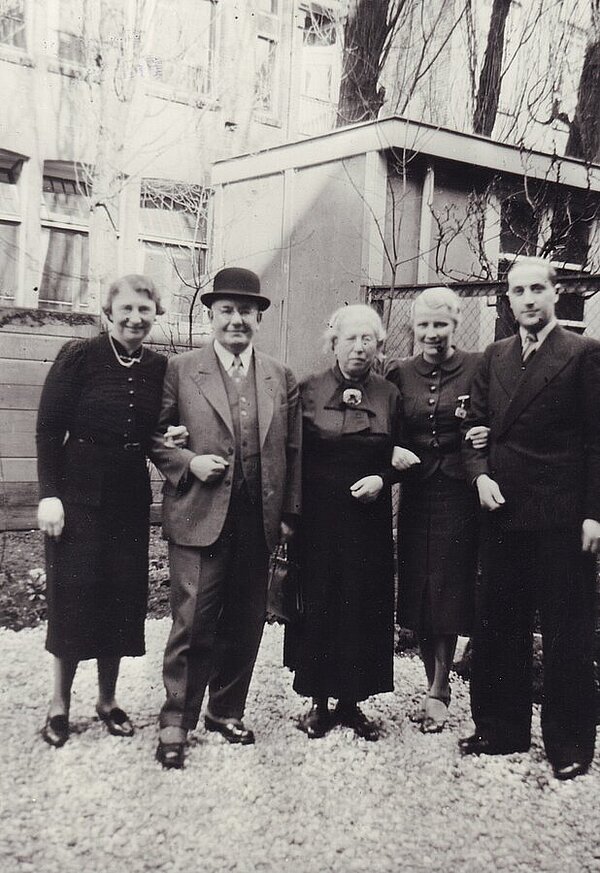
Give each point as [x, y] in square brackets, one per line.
[98, 409]
[437, 522]
[344, 646]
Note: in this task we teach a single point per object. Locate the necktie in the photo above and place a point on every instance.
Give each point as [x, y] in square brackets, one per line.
[237, 371]
[530, 345]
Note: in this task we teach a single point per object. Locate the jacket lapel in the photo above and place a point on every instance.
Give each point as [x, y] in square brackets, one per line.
[551, 358]
[265, 383]
[508, 366]
[209, 381]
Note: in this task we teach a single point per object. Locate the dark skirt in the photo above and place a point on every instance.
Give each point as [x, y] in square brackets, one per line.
[97, 582]
[437, 556]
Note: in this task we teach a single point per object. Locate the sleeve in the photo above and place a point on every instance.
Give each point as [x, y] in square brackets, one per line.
[389, 475]
[293, 489]
[173, 463]
[591, 401]
[58, 403]
[475, 461]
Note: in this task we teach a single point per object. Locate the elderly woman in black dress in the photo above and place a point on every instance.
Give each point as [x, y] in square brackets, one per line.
[343, 648]
[99, 406]
[437, 523]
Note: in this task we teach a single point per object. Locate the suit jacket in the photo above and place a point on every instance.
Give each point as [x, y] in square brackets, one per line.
[544, 445]
[194, 395]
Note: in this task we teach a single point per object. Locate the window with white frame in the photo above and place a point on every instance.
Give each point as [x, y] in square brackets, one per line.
[12, 23]
[10, 226]
[65, 231]
[321, 70]
[181, 45]
[71, 24]
[174, 224]
[266, 50]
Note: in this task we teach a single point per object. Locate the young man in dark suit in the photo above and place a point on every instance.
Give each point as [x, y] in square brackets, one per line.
[539, 482]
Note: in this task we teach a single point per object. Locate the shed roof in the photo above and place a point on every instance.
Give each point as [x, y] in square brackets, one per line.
[410, 137]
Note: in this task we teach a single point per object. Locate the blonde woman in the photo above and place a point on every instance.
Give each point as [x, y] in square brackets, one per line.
[437, 525]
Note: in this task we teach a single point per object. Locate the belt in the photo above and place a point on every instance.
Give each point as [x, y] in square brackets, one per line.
[107, 441]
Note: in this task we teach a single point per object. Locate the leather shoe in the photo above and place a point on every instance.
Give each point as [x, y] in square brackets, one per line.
[56, 731]
[570, 770]
[316, 723]
[353, 717]
[170, 755]
[477, 744]
[233, 730]
[116, 721]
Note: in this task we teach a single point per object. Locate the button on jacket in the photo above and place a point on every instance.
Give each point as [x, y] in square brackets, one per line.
[430, 394]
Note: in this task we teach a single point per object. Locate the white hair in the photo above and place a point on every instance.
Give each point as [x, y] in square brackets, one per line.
[337, 319]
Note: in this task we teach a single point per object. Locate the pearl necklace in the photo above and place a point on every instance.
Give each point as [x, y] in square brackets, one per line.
[124, 360]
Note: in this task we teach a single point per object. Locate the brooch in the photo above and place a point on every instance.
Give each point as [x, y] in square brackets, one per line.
[461, 409]
[352, 397]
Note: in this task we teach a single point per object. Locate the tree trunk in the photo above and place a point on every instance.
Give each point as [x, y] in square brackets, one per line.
[490, 80]
[584, 132]
[366, 31]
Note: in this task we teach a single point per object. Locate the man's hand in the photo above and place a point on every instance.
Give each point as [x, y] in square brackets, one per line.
[286, 532]
[478, 436]
[403, 458]
[490, 496]
[176, 436]
[51, 516]
[367, 489]
[590, 536]
[208, 468]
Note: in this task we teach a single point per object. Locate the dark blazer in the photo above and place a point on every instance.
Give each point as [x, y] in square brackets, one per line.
[544, 446]
[430, 395]
[194, 395]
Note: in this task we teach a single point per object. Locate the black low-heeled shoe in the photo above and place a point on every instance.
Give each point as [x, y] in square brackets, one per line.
[353, 717]
[116, 721]
[316, 723]
[233, 731]
[56, 730]
[170, 755]
[570, 770]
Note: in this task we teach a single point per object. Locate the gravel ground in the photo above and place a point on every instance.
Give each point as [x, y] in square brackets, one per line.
[407, 803]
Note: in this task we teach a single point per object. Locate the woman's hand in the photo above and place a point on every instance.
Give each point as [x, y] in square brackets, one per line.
[478, 436]
[367, 489]
[176, 436]
[51, 516]
[403, 458]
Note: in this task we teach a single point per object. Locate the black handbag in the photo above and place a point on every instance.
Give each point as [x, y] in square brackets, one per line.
[284, 595]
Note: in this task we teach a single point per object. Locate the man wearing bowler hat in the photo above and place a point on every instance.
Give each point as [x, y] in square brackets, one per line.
[229, 497]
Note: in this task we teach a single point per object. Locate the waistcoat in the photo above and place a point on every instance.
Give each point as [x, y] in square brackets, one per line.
[244, 414]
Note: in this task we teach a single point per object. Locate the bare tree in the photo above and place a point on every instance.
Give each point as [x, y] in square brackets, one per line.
[584, 132]
[490, 80]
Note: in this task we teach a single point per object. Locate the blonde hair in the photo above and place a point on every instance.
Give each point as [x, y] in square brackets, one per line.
[337, 319]
[439, 298]
[136, 282]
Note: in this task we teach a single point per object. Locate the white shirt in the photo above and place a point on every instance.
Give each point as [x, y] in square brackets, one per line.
[541, 334]
[227, 358]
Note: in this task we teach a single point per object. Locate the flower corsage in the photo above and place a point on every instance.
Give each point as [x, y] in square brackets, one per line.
[352, 397]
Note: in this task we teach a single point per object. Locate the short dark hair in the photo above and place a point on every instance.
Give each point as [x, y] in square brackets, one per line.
[531, 261]
[135, 282]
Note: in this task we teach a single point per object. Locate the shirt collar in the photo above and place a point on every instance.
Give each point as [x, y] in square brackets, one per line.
[226, 357]
[541, 334]
[426, 368]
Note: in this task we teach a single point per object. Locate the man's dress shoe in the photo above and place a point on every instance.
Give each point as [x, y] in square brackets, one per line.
[233, 731]
[170, 755]
[479, 745]
[570, 770]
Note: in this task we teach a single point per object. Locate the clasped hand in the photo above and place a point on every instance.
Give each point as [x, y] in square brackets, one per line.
[51, 516]
[176, 436]
[208, 468]
[490, 496]
[367, 489]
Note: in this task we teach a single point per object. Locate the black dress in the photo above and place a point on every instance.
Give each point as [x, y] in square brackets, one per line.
[438, 516]
[94, 424]
[344, 646]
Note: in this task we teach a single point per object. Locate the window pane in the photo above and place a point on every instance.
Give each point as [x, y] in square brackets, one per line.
[174, 210]
[71, 32]
[12, 23]
[265, 73]
[518, 227]
[177, 272]
[181, 45]
[66, 197]
[8, 260]
[66, 268]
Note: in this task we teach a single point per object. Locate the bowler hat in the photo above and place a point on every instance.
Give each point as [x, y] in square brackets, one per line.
[236, 282]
